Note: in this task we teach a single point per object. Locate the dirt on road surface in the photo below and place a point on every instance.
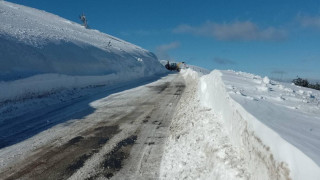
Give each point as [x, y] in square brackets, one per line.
[122, 139]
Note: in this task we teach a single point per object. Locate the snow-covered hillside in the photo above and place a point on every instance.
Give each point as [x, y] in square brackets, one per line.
[41, 52]
[277, 125]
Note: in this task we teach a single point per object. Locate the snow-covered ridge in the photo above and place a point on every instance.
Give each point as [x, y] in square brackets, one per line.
[36, 27]
[276, 125]
[43, 48]
[201, 71]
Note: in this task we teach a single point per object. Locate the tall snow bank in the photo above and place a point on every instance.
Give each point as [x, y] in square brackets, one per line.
[198, 146]
[272, 133]
[34, 42]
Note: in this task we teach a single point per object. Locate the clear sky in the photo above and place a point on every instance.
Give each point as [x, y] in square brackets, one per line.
[277, 38]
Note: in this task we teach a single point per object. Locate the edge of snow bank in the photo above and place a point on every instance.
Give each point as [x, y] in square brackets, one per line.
[269, 154]
[43, 84]
[42, 53]
[197, 146]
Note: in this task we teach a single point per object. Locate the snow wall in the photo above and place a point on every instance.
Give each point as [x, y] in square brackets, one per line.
[42, 52]
[269, 154]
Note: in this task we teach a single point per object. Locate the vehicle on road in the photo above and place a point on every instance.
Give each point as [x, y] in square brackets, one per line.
[174, 66]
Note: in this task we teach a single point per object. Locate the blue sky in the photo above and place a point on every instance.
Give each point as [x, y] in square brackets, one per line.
[280, 39]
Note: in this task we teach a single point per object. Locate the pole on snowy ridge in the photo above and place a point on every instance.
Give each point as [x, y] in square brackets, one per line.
[84, 20]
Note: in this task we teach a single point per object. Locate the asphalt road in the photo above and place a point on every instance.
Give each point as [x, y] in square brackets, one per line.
[122, 137]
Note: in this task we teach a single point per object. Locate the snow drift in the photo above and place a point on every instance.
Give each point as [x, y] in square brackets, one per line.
[276, 125]
[37, 48]
[198, 146]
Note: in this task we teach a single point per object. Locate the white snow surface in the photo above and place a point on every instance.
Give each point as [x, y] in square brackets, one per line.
[277, 125]
[41, 52]
[198, 146]
[200, 70]
[236, 125]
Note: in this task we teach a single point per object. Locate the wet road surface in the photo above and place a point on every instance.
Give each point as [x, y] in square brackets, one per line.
[122, 139]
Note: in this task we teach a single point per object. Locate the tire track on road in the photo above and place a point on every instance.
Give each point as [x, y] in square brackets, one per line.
[125, 140]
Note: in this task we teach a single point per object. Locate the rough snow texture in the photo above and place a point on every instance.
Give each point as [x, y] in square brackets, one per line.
[198, 146]
[276, 126]
[201, 71]
[41, 46]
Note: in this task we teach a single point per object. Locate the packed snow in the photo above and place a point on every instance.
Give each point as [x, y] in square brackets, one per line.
[243, 126]
[41, 52]
[201, 71]
[198, 146]
[276, 124]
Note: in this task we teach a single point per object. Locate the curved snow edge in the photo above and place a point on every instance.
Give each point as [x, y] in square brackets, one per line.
[269, 154]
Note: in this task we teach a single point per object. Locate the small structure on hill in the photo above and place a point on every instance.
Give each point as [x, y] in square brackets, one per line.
[84, 20]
